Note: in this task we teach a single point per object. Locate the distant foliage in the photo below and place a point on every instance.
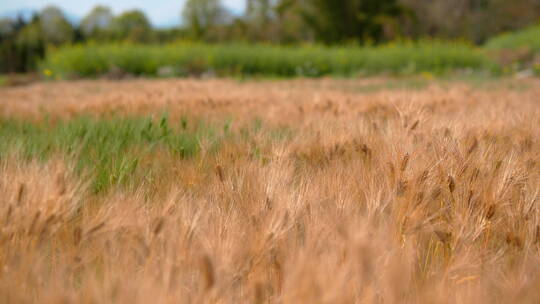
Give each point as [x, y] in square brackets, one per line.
[518, 50]
[132, 26]
[203, 16]
[529, 37]
[97, 24]
[475, 20]
[353, 20]
[241, 59]
[56, 29]
[23, 43]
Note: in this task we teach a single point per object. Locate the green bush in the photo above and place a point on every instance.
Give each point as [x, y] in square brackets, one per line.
[183, 59]
[529, 37]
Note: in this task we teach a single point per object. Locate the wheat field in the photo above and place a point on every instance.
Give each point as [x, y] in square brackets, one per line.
[307, 191]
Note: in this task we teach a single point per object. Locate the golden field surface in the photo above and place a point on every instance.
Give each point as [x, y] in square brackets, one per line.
[319, 191]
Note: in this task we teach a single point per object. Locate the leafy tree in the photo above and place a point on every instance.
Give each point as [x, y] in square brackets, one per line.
[30, 44]
[6, 27]
[97, 24]
[336, 21]
[475, 20]
[289, 24]
[201, 16]
[21, 44]
[276, 21]
[260, 11]
[7, 46]
[261, 20]
[132, 26]
[56, 29]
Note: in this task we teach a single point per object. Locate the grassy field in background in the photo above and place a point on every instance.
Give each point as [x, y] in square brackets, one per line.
[529, 37]
[292, 191]
[518, 50]
[188, 59]
[504, 54]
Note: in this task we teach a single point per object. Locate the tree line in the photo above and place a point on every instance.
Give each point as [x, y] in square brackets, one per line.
[24, 42]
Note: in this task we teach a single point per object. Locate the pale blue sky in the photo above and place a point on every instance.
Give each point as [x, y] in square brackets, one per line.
[160, 12]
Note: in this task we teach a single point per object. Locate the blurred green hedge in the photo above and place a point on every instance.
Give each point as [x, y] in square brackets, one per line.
[188, 59]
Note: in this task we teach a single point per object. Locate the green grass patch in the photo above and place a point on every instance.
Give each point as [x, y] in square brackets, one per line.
[128, 151]
[518, 50]
[111, 150]
[187, 59]
[529, 37]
